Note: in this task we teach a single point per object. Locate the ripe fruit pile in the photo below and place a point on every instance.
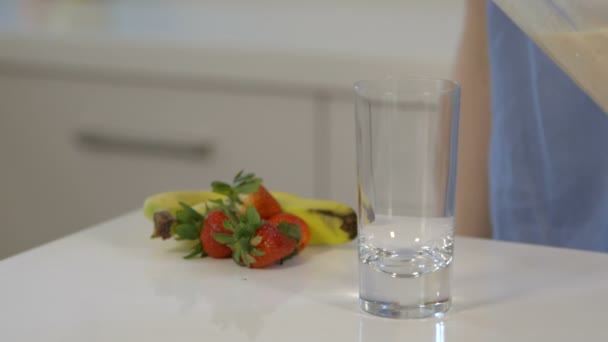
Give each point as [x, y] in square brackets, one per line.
[245, 221]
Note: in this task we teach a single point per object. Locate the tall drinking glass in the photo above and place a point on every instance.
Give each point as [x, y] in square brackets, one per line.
[407, 134]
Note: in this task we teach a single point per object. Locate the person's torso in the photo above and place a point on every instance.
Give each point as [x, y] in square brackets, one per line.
[549, 148]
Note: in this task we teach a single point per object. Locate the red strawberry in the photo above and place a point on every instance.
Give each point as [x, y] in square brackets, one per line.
[214, 224]
[293, 219]
[266, 205]
[273, 244]
[256, 243]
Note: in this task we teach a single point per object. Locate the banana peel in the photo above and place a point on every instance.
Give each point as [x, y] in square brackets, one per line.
[330, 222]
[169, 201]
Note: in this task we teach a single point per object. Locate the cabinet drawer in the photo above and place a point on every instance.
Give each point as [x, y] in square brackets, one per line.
[80, 152]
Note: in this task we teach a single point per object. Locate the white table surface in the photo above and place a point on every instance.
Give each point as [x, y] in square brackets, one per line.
[112, 283]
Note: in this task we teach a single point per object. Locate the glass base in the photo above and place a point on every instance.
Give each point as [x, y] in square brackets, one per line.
[393, 310]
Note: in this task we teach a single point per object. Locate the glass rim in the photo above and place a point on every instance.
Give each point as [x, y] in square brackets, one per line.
[367, 83]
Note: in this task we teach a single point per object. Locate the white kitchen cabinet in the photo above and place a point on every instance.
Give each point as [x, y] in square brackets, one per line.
[76, 152]
[103, 103]
[343, 172]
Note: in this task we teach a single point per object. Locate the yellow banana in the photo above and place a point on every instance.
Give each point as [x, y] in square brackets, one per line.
[330, 222]
[169, 201]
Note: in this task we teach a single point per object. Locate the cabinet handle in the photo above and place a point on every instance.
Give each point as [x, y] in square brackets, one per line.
[165, 145]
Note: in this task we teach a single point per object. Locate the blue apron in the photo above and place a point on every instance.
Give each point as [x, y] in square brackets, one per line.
[549, 147]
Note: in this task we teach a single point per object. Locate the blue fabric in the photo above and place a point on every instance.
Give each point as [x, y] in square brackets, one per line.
[549, 147]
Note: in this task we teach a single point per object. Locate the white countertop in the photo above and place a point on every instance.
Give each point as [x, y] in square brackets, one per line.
[112, 283]
[317, 43]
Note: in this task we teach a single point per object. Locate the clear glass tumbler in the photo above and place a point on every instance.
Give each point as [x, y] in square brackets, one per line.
[407, 135]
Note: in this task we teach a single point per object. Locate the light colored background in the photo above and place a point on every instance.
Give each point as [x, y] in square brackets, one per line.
[105, 102]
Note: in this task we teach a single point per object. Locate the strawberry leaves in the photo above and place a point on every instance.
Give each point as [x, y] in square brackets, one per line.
[189, 225]
[197, 250]
[187, 231]
[241, 184]
[243, 240]
[291, 230]
[246, 184]
[223, 238]
[221, 188]
[187, 214]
